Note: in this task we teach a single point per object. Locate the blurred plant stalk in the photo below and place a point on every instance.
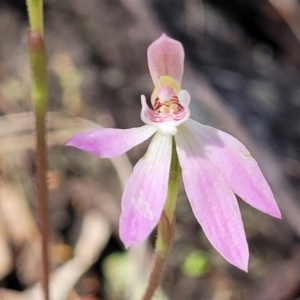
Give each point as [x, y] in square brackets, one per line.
[39, 94]
[166, 227]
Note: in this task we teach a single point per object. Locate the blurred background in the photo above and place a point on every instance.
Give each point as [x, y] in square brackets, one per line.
[243, 72]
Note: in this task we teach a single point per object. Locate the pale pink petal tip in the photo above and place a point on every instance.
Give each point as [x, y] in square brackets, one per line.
[165, 58]
[240, 262]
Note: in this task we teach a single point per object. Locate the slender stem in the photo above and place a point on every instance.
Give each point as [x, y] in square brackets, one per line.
[35, 14]
[39, 93]
[166, 227]
[42, 194]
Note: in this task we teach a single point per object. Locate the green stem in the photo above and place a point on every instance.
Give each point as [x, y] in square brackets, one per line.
[39, 93]
[166, 227]
[42, 194]
[36, 17]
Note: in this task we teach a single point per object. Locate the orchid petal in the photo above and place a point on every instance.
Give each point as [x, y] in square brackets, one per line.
[110, 142]
[212, 201]
[146, 192]
[184, 98]
[165, 58]
[238, 167]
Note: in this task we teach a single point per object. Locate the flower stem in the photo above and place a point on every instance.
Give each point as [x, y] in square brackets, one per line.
[166, 227]
[35, 14]
[39, 93]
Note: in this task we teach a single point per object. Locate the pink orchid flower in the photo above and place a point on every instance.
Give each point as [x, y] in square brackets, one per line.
[215, 166]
